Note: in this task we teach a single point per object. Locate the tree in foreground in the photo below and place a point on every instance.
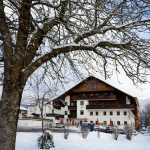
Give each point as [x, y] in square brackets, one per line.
[61, 35]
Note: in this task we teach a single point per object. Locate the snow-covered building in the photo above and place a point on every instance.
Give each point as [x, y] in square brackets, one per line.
[34, 110]
[52, 110]
[23, 112]
[97, 101]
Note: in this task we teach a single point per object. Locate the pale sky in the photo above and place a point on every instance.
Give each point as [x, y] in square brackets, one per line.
[142, 92]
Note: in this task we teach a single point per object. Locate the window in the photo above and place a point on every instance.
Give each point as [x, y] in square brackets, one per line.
[72, 104]
[105, 94]
[91, 113]
[81, 103]
[125, 113]
[118, 113]
[118, 122]
[66, 103]
[48, 115]
[66, 112]
[127, 100]
[105, 122]
[104, 113]
[96, 113]
[92, 85]
[81, 112]
[125, 122]
[111, 113]
[52, 111]
[84, 94]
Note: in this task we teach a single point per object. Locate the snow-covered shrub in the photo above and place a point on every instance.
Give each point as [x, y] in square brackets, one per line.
[85, 129]
[66, 133]
[46, 140]
[66, 130]
[85, 133]
[115, 132]
[128, 131]
[98, 131]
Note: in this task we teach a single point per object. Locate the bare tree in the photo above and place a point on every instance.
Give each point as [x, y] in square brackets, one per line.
[103, 34]
[128, 131]
[42, 93]
[115, 132]
[98, 131]
[66, 129]
[145, 116]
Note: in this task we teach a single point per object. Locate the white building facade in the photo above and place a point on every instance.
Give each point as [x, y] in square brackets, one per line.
[98, 102]
[95, 101]
[119, 117]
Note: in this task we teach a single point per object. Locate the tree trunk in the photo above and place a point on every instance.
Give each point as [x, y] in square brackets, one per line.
[9, 110]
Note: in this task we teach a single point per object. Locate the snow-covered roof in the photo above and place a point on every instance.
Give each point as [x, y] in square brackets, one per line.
[65, 93]
[23, 108]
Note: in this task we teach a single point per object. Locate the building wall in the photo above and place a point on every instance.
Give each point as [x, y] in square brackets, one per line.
[29, 123]
[47, 109]
[129, 118]
[82, 108]
[67, 103]
[33, 109]
[22, 113]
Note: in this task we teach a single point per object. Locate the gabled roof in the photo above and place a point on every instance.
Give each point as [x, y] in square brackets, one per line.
[92, 77]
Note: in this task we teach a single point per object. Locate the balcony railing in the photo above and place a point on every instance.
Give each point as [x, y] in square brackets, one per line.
[93, 96]
[57, 106]
[109, 106]
[72, 107]
[53, 115]
[72, 116]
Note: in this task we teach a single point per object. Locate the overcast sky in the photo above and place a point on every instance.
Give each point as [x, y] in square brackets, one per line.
[142, 91]
[122, 82]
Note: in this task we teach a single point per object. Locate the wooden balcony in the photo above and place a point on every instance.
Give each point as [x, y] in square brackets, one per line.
[72, 116]
[94, 96]
[131, 106]
[53, 115]
[57, 106]
[72, 107]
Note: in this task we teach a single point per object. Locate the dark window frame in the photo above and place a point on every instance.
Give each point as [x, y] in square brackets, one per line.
[105, 122]
[111, 113]
[91, 113]
[125, 113]
[118, 113]
[104, 113]
[81, 103]
[125, 122]
[118, 122]
[81, 112]
[66, 112]
[96, 113]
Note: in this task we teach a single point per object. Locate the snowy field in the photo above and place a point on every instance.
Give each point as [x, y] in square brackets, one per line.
[27, 141]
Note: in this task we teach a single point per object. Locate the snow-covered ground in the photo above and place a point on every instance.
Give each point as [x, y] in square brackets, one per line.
[27, 141]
